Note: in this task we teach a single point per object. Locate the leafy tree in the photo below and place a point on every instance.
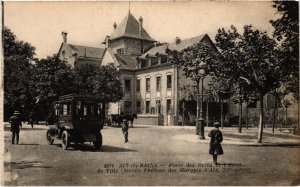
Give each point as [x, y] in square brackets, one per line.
[191, 60]
[224, 91]
[102, 81]
[84, 75]
[106, 84]
[287, 33]
[52, 78]
[18, 58]
[252, 57]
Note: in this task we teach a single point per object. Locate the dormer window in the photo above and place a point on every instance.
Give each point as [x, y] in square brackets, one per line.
[163, 59]
[154, 61]
[143, 63]
[121, 51]
[63, 53]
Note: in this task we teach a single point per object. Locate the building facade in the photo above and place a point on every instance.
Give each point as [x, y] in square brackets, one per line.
[153, 87]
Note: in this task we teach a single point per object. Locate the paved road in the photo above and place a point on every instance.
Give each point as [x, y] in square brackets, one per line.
[152, 157]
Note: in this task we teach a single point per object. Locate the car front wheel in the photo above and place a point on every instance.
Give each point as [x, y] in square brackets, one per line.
[65, 140]
[50, 140]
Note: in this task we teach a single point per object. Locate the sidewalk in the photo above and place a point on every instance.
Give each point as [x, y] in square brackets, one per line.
[248, 137]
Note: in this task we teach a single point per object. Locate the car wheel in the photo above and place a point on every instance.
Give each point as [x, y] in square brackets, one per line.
[50, 140]
[65, 140]
[98, 143]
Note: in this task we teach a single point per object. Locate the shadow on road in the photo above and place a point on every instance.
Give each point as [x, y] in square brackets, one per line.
[25, 129]
[139, 127]
[107, 148]
[24, 165]
[134, 127]
[90, 148]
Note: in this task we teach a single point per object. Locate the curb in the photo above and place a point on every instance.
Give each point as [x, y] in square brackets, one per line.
[238, 142]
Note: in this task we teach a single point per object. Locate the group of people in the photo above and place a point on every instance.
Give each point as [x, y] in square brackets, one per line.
[215, 147]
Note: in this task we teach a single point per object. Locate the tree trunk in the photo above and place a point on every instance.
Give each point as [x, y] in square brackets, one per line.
[198, 107]
[207, 117]
[261, 119]
[246, 115]
[240, 117]
[286, 108]
[274, 116]
[222, 117]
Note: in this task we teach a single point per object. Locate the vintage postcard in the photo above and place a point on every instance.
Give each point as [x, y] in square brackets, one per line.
[145, 93]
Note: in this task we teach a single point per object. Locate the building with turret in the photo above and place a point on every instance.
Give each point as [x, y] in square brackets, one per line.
[153, 87]
[151, 83]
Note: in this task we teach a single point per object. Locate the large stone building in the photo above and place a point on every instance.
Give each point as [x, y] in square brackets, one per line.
[153, 87]
[150, 82]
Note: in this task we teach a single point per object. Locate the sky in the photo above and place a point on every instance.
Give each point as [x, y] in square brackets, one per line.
[88, 23]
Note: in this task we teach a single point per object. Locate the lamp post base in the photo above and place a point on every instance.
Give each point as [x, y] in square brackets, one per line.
[201, 130]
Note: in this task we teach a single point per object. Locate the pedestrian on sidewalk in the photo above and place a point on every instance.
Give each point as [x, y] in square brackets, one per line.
[15, 122]
[125, 130]
[215, 147]
[31, 119]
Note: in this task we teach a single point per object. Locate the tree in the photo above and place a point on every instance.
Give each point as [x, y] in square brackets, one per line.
[84, 75]
[51, 79]
[106, 84]
[287, 33]
[253, 58]
[191, 60]
[18, 58]
[224, 91]
[102, 81]
[278, 94]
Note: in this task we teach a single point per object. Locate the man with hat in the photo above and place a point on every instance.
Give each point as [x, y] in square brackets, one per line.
[125, 129]
[16, 123]
[31, 119]
[215, 147]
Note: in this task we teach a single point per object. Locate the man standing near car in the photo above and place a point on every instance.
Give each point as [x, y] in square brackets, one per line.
[16, 123]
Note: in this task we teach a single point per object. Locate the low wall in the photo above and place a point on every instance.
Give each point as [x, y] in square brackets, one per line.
[149, 119]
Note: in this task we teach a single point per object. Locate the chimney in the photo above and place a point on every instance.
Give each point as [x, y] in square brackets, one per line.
[140, 25]
[177, 40]
[115, 26]
[107, 41]
[64, 36]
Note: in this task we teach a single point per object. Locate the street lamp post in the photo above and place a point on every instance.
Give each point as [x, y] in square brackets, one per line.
[207, 101]
[201, 120]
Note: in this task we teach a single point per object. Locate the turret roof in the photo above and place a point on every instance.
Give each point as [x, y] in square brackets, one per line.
[129, 27]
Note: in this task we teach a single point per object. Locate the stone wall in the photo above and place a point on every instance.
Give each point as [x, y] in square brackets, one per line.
[150, 119]
[131, 46]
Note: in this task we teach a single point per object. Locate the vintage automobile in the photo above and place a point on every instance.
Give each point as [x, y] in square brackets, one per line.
[79, 119]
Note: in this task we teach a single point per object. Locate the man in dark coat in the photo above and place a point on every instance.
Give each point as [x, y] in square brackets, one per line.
[125, 129]
[31, 119]
[215, 147]
[50, 120]
[16, 123]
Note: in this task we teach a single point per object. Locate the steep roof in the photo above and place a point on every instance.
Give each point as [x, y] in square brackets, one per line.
[173, 46]
[126, 61]
[87, 52]
[129, 27]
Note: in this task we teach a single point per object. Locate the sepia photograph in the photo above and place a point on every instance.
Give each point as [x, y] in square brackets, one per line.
[150, 93]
